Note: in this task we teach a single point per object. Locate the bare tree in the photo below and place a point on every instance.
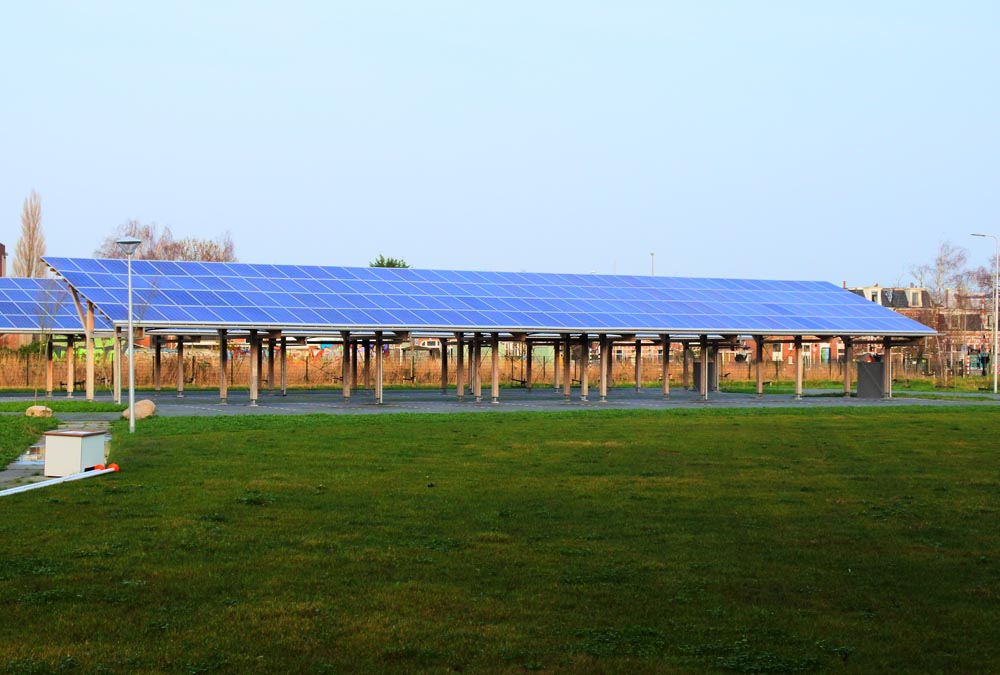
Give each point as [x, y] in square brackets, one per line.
[160, 244]
[947, 281]
[31, 246]
[946, 274]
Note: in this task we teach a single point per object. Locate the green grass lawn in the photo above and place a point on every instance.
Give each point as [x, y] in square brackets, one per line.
[745, 541]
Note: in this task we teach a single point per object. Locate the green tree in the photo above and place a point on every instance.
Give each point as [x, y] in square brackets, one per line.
[382, 261]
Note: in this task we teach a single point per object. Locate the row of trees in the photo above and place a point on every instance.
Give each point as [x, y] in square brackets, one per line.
[157, 244]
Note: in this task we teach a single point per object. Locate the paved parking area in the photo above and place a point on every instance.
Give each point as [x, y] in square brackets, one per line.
[298, 402]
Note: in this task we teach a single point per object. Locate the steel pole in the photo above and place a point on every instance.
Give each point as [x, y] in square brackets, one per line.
[996, 302]
[131, 355]
[996, 307]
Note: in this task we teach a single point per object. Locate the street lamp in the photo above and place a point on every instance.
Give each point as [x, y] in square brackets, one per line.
[128, 245]
[996, 304]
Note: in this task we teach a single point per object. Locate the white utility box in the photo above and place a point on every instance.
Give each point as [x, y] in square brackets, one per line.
[69, 452]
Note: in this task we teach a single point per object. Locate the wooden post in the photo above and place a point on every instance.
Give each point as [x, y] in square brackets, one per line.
[602, 340]
[444, 364]
[495, 367]
[345, 364]
[638, 365]
[703, 357]
[847, 365]
[223, 367]
[887, 368]
[284, 366]
[759, 363]
[157, 356]
[460, 365]
[254, 367]
[50, 362]
[368, 364]
[70, 366]
[89, 337]
[798, 367]
[528, 381]
[477, 367]
[557, 360]
[685, 372]
[566, 366]
[378, 367]
[354, 364]
[180, 366]
[665, 365]
[271, 342]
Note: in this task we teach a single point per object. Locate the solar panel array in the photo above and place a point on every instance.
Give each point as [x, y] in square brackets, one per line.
[40, 305]
[261, 296]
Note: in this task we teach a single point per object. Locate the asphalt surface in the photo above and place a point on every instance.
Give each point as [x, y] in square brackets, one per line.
[299, 402]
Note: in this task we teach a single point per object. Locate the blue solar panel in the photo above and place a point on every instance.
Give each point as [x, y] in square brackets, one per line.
[40, 305]
[340, 298]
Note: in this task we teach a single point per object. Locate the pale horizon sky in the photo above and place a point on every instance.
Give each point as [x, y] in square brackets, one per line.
[762, 140]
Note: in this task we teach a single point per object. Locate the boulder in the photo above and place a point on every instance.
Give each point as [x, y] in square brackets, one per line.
[38, 411]
[143, 409]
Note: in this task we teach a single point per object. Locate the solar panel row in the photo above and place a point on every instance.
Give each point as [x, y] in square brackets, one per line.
[39, 305]
[194, 294]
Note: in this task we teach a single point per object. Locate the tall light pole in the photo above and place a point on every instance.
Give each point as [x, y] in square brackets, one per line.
[128, 245]
[996, 304]
[652, 264]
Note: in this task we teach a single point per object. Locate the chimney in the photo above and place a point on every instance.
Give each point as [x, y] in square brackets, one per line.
[3, 260]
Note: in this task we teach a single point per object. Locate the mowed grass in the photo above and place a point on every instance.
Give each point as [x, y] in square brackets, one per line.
[861, 540]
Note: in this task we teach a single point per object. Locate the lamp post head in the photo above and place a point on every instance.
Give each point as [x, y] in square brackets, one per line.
[128, 245]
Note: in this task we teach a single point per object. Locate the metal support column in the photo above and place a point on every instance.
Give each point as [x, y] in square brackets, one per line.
[584, 366]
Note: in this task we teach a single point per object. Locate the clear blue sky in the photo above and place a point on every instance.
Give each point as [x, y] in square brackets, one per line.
[835, 141]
